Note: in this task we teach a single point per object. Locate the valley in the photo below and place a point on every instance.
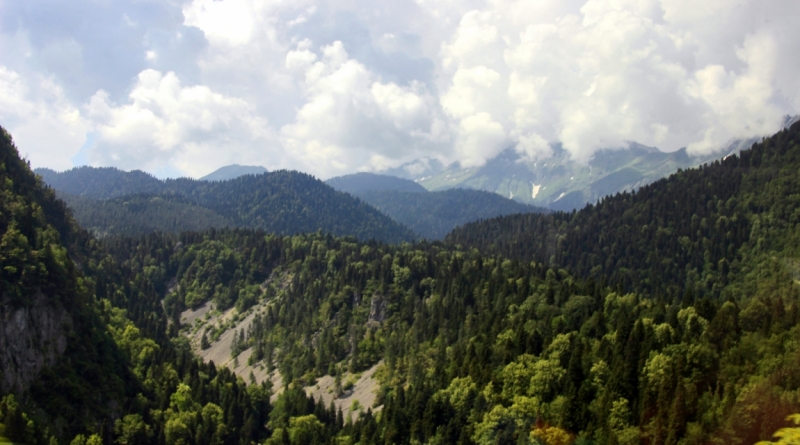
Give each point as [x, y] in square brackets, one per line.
[663, 315]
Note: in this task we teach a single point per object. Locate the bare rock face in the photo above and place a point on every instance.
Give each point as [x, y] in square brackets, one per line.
[32, 338]
[377, 310]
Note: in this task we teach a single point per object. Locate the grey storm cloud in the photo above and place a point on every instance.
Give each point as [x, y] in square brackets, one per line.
[334, 86]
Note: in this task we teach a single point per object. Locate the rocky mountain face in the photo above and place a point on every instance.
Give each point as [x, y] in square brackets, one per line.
[37, 276]
[561, 183]
[32, 338]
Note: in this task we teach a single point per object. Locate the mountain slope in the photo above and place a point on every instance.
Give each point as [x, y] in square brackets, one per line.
[233, 171]
[73, 367]
[283, 202]
[287, 202]
[50, 332]
[360, 183]
[101, 182]
[434, 214]
[693, 232]
[431, 215]
[473, 348]
[466, 347]
[134, 215]
[561, 183]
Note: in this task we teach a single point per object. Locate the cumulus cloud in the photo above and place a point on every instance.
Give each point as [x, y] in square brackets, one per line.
[331, 87]
[610, 71]
[352, 118]
[46, 128]
[192, 127]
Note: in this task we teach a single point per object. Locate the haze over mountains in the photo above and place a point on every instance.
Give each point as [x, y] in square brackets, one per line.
[430, 214]
[559, 182]
[111, 201]
[421, 202]
[233, 171]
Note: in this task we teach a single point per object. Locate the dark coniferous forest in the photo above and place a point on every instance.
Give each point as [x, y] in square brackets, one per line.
[110, 201]
[665, 316]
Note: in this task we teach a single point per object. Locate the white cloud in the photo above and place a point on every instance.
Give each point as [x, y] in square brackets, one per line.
[231, 22]
[479, 135]
[333, 86]
[351, 119]
[738, 105]
[192, 128]
[46, 128]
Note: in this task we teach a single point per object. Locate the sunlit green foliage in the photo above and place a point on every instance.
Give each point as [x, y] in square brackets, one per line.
[476, 347]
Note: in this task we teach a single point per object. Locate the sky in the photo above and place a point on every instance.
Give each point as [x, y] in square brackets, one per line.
[330, 87]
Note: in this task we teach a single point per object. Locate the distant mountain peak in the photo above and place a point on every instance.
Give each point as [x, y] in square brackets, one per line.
[360, 183]
[233, 171]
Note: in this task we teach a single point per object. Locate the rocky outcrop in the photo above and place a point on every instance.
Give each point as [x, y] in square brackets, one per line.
[32, 337]
[377, 310]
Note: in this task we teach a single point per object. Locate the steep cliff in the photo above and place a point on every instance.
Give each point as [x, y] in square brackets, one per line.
[38, 280]
[32, 337]
[56, 350]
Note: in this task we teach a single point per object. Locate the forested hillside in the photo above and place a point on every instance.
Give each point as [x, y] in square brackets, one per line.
[480, 349]
[694, 232]
[283, 202]
[135, 215]
[95, 376]
[468, 346]
[102, 182]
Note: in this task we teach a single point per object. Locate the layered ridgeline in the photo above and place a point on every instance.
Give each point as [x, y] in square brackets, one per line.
[74, 368]
[429, 214]
[694, 232]
[283, 202]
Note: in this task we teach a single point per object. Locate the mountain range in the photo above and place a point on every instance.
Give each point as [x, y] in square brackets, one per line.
[111, 201]
[558, 181]
[432, 215]
[668, 314]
